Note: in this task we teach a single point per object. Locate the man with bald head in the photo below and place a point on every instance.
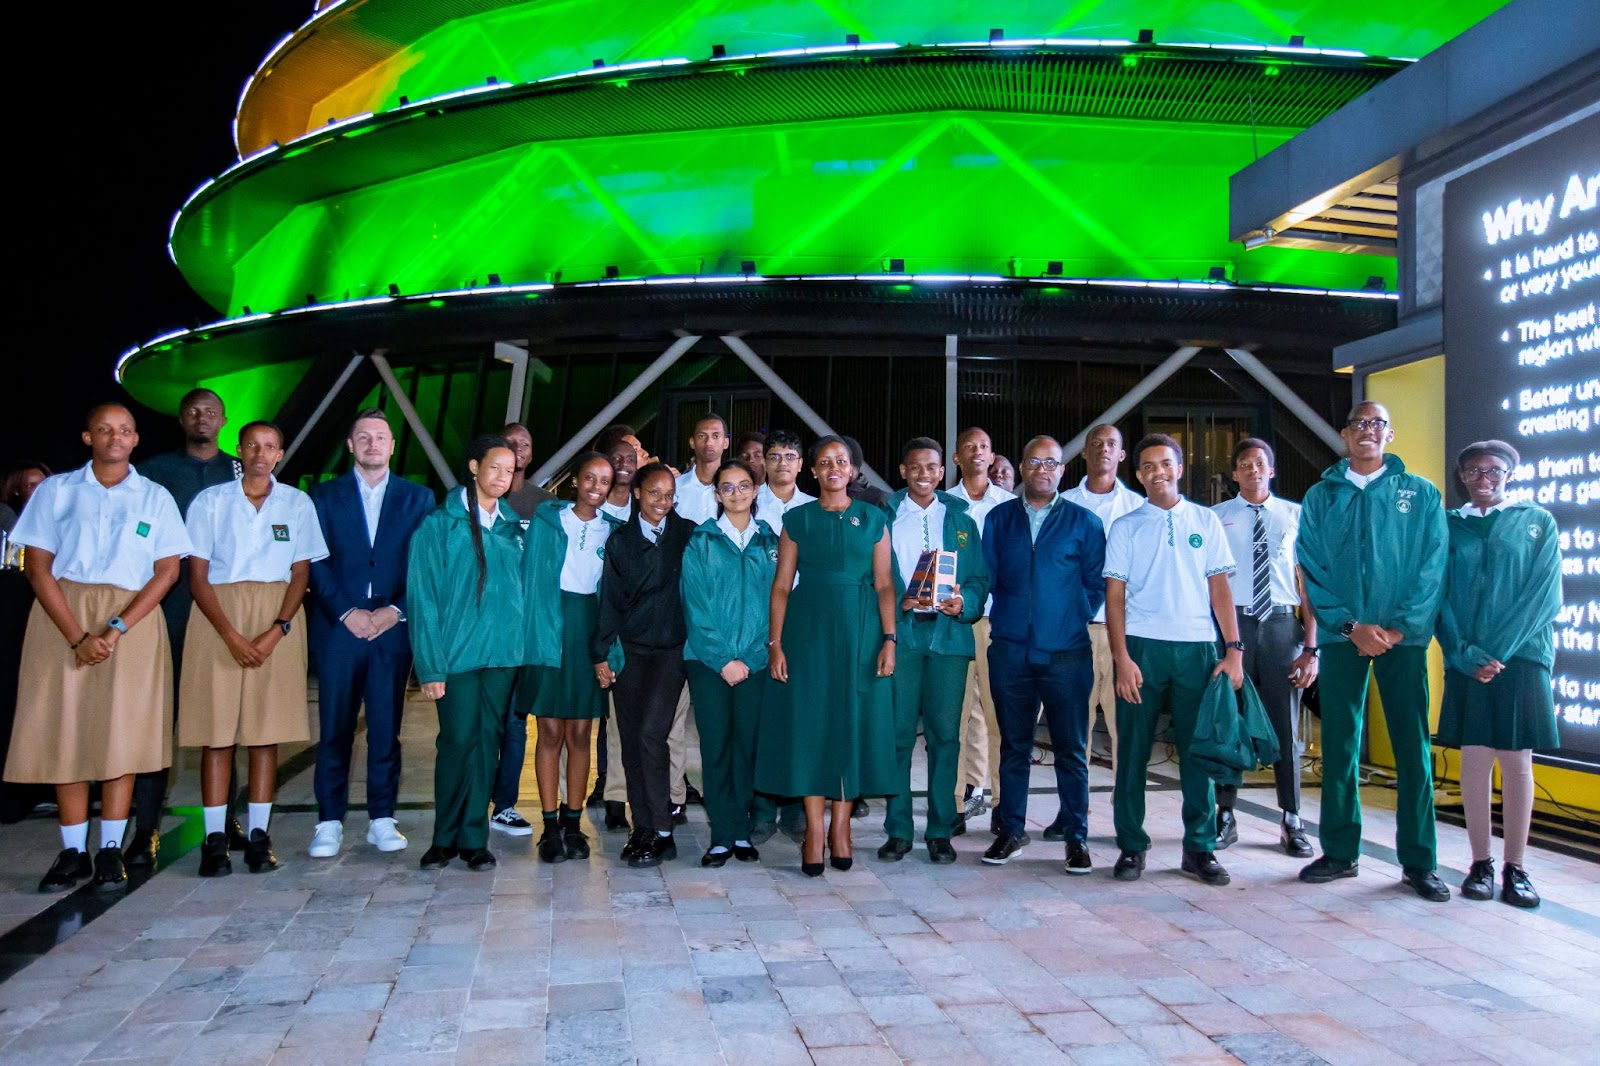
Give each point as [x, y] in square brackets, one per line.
[1373, 548]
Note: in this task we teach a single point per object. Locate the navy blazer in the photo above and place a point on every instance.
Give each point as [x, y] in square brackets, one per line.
[339, 582]
[1045, 592]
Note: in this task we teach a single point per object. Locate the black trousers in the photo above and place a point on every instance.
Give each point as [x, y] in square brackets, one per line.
[646, 700]
[1270, 647]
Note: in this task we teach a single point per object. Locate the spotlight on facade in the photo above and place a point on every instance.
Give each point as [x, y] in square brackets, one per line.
[996, 35]
[1052, 269]
[1147, 36]
[1375, 283]
[612, 271]
[1217, 273]
[747, 266]
[852, 38]
[394, 290]
[494, 279]
[897, 266]
[718, 51]
[1297, 41]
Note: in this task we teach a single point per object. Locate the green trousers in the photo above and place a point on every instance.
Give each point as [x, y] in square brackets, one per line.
[1175, 677]
[727, 717]
[931, 687]
[1402, 675]
[472, 721]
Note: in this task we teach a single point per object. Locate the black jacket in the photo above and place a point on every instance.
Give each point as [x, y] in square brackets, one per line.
[640, 600]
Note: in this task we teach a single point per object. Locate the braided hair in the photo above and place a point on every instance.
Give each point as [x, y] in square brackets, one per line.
[476, 451]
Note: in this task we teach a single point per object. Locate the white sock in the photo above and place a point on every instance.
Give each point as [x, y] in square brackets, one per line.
[663, 832]
[741, 844]
[260, 815]
[111, 833]
[75, 836]
[718, 849]
[216, 819]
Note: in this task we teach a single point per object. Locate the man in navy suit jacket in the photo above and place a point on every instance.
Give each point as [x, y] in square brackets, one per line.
[358, 628]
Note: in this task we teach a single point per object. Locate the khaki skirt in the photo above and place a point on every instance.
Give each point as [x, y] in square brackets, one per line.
[92, 723]
[220, 703]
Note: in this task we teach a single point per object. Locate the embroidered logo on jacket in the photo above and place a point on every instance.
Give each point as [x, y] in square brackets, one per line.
[1534, 532]
[961, 538]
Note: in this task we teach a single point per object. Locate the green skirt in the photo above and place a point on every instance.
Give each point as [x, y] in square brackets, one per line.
[569, 690]
[1514, 711]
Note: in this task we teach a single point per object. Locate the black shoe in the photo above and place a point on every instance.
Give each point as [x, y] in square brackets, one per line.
[437, 858]
[480, 859]
[258, 853]
[637, 841]
[811, 869]
[1129, 866]
[1480, 880]
[214, 859]
[679, 815]
[958, 827]
[860, 809]
[841, 862]
[1204, 865]
[573, 840]
[552, 846]
[1227, 828]
[1516, 889]
[109, 872]
[237, 838]
[1424, 883]
[692, 794]
[141, 850]
[994, 820]
[616, 816]
[1005, 848]
[659, 850]
[1056, 830]
[894, 849]
[745, 854]
[1078, 861]
[1292, 836]
[597, 795]
[1328, 869]
[70, 867]
[715, 859]
[940, 851]
[761, 832]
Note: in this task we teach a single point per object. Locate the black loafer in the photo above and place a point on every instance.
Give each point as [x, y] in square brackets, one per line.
[658, 850]
[958, 827]
[141, 850]
[1480, 881]
[1516, 889]
[258, 852]
[574, 842]
[616, 816]
[1227, 828]
[1328, 869]
[746, 853]
[480, 859]
[894, 849]
[238, 840]
[552, 846]
[940, 851]
[109, 872]
[692, 794]
[1004, 849]
[637, 841]
[597, 795]
[214, 859]
[715, 859]
[1425, 883]
[860, 808]
[1204, 865]
[1056, 831]
[1129, 867]
[679, 815]
[761, 832]
[1292, 836]
[70, 867]
[1078, 861]
[437, 857]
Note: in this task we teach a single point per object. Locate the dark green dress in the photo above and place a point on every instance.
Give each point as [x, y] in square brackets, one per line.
[830, 730]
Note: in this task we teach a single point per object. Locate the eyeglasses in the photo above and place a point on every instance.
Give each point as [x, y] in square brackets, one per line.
[1041, 464]
[1495, 474]
[783, 457]
[743, 488]
[1368, 423]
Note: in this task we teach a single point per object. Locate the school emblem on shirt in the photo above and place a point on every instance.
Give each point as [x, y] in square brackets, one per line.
[961, 538]
[280, 533]
[142, 529]
[1403, 506]
[600, 552]
[1533, 531]
[772, 554]
[855, 520]
[1195, 540]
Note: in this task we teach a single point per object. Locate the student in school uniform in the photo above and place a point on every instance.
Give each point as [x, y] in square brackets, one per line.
[464, 580]
[94, 699]
[564, 557]
[244, 657]
[619, 444]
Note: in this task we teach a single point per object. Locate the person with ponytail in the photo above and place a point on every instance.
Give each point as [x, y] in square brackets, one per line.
[465, 601]
[561, 579]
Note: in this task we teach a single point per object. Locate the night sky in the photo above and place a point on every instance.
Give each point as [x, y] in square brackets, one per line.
[142, 115]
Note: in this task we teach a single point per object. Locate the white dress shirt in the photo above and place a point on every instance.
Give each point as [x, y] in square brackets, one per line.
[372, 502]
[978, 509]
[580, 570]
[241, 543]
[740, 540]
[1283, 529]
[695, 501]
[103, 536]
[1167, 558]
[771, 510]
[1474, 511]
[1361, 481]
[619, 511]
[651, 533]
[916, 530]
[1108, 507]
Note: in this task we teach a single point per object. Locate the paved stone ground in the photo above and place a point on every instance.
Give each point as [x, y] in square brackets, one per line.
[368, 958]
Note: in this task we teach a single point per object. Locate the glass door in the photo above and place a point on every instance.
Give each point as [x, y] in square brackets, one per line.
[1208, 435]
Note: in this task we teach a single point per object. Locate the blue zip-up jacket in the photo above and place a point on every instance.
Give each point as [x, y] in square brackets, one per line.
[1045, 592]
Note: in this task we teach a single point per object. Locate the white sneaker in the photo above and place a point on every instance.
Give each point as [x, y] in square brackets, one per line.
[382, 832]
[326, 840]
[511, 823]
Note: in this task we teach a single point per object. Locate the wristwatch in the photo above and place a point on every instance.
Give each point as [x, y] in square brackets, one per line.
[1348, 628]
[890, 638]
[119, 625]
[283, 624]
[1313, 651]
[1235, 645]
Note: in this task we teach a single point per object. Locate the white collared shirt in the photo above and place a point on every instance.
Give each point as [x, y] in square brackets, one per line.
[1167, 559]
[619, 511]
[372, 502]
[103, 536]
[1283, 529]
[978, 509]
[486, 518]
[241, 543]
[651, 532]
[1474, 511]
[771, 510]
[916, 530]
[695, 501]
[580, 570]
[740, 540]
[1361, 481]
[1108, 507]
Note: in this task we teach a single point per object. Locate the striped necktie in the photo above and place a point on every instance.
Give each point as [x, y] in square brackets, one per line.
[1261, 601]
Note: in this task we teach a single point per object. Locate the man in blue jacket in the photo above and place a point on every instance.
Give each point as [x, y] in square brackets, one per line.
[358, 629]
[1045, 555]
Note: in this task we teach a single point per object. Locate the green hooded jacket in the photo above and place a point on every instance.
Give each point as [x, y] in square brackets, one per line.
[726, 594]
[541, 582]
[1502, 591]
[951, 636]
[1374, 555]
[452, 629]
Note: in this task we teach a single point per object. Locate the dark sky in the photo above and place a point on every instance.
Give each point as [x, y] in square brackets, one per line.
[134, 111]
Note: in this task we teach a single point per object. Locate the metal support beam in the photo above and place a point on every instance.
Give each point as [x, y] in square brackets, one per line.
[424, 438]
[517, 356]
[610, 411]
[951, 343]
[322, 409]
[810, 417]
[1286, 396]
[1134, 397]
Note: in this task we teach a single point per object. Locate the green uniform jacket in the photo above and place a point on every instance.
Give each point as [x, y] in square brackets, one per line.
[726, 594]
[1502, 592]
[1232, 733]
[1374, 555]
[541, 582]
[951, 636]
[452, 630]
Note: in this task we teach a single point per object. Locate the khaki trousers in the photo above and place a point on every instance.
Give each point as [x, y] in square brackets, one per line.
[616, 774]
[676, 741]
[980, 733]
[1104, 693]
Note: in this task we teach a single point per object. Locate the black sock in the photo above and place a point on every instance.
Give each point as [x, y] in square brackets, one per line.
[569, 817]
[549, 821]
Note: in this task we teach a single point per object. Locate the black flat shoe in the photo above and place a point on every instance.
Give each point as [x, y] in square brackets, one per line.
[437, 857]
[238, 840]
[1480, 881]
[1328, 869]
[597, 795]
[70, 867]
[1056, 830]
[1129, 867]
[1292, 837]
[616, 816]
[109, 872]
[574, 842]
[637, 840]
[860, 809]
[214, 859]
[481, 859]
[1425, 883]
[940, 852]
[716, 859]
[552, 846]
[141, 850]
[1204, 865]
[1227, 828]
[258, 852]
[746, 853]
[1516, 889]
[894, 849]
[659, 850]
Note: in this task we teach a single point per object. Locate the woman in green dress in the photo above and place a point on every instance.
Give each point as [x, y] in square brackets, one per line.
[1497, 629]
[828, 733]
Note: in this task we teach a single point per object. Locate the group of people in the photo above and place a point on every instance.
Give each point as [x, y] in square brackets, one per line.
[793, 626]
